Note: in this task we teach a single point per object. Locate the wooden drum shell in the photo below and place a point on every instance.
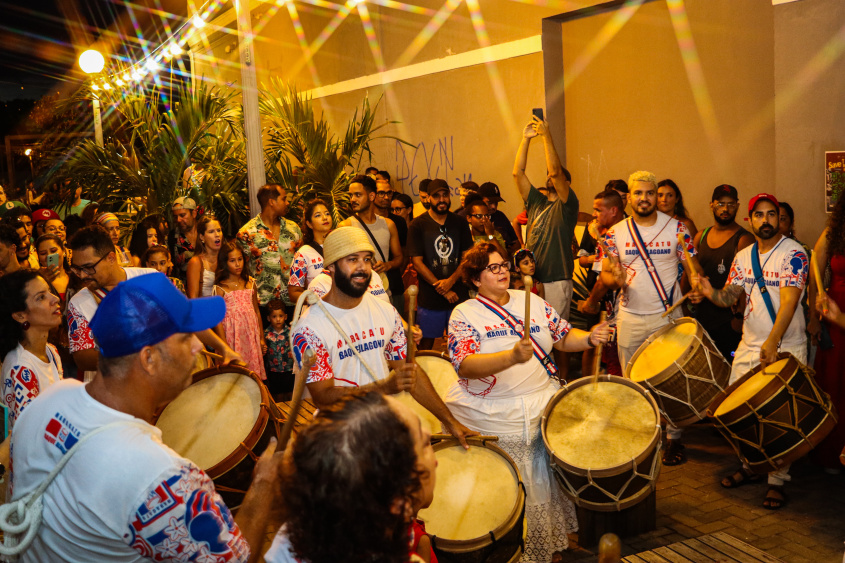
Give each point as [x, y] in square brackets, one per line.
[782, 422]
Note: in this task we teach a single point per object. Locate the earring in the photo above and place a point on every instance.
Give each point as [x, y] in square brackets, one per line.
[25, 325]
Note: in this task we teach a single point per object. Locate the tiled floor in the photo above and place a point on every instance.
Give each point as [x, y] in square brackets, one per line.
[691, 503]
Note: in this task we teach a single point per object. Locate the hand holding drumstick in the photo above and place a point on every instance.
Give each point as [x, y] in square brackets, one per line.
[615, 265]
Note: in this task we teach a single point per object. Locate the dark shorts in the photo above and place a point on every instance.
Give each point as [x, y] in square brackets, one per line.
[432, 321]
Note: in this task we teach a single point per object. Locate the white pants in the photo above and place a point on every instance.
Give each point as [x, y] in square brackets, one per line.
[559, 296]
[747, 358]
[631, 331]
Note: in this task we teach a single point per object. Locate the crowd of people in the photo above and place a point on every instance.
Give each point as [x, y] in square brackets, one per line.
[96, 336]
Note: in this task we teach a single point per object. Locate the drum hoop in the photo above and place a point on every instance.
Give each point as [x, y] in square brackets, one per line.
[434, 354]
[606, 471]
[681, 360]
[766, 394]
[245, 449]
[518, 510]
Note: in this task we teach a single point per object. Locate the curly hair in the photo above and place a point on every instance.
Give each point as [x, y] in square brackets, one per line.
[836, 228]
[308, 232]
[679, 211]
[342, 480]
[475, 261]
[13, 300]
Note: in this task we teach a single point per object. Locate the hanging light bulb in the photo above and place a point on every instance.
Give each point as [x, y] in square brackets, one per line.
[198, 22]
[106, 85]
[95, 87]
[175, 49]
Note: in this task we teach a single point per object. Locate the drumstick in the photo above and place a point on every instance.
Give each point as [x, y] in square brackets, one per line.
[412, 306]
[610, 550]
[529, 283]
[676, 305]
[819, 285]
[597, 359]
[308, 360]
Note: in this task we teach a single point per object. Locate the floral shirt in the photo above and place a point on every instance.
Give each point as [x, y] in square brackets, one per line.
[279, 358]
[269, 259]
[182, 251]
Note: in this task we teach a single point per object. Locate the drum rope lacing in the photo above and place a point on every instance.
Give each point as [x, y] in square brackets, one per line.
[651, 476]
[793, 398]
[314, 299]
[20, 519]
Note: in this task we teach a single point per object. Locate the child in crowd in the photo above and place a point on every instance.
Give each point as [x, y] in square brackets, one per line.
[241, 327]
[524, 265]
[157, 257]
[516, 282]
[279, 361]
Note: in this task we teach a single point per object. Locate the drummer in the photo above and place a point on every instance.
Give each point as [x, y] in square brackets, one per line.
[649, 281]
[506, 382]
[372, 488]
[123, 495]
[371, 325]
[771, 324]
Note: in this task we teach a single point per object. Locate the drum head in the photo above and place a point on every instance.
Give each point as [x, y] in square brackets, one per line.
[442, 376]
[475, 493]
[658, 354]
[209, 419]
[750, 387]
[603, 426]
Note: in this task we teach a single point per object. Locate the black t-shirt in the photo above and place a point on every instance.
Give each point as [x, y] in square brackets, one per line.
[441, 248]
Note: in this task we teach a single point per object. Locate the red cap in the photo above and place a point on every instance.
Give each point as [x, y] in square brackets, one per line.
[44, 215]
[758, 197]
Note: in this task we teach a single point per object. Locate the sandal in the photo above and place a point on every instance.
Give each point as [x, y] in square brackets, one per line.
[745, 478]
[773, 502]
[674, 454]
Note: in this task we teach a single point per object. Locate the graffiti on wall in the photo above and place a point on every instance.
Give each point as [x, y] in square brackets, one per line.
[428, 160]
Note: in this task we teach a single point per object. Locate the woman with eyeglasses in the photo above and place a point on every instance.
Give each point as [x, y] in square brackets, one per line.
[28, 312]
[505, 382]
[403, 206]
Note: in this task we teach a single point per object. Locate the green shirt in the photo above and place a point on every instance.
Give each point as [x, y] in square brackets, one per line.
[270, 259]
[551, 226]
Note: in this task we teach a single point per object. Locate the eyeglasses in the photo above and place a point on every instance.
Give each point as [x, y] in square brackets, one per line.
[728, 205]
[480, 215]
[399, 208]
[385, 194]
[497, 268]
[87, 270]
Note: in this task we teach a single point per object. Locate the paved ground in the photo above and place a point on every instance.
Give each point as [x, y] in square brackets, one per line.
[691, 503]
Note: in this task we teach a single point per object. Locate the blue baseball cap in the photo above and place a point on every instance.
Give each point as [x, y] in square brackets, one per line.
[147, 309]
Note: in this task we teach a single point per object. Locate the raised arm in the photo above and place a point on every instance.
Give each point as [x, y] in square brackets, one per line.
[522, 182]
[553, 164]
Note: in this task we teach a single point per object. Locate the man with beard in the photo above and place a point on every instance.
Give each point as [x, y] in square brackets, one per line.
[644, 255]
[423, 204]
[717, 246]
[437, 241]
[368, 324]
[382, 232]
[771, 325]
[9, 241]
[95, 263]
[183, 238]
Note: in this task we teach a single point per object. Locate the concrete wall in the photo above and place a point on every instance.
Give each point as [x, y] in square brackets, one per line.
[689, 103]
[809, 113]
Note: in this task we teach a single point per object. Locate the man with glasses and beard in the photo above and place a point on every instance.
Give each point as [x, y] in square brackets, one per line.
[371, 326]
[644, 255]
[717, 246]
[437, 241]
[778, 265]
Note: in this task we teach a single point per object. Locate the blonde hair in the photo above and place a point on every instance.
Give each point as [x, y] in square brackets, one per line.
[642, 176]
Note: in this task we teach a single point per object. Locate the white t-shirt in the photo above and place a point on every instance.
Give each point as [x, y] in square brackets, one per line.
[307, 265]
[785, 265]
[373, 327]
[123, 497]
[323, 283]
[81, 309]
[661, 239]
[474, 329]
[25, 376]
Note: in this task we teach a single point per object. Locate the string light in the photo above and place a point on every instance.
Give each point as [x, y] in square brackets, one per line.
[198, 22]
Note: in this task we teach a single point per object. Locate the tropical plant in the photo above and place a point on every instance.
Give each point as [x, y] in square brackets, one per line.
[138, 171]
[303, 154]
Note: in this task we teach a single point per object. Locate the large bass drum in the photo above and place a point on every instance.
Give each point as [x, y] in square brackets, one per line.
[442, 375]
[478, 511]
[222, 422]
[604, 442]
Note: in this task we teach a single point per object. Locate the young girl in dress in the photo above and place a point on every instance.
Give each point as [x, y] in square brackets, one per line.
[524, 265]
[242, 327]
[203, 265]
